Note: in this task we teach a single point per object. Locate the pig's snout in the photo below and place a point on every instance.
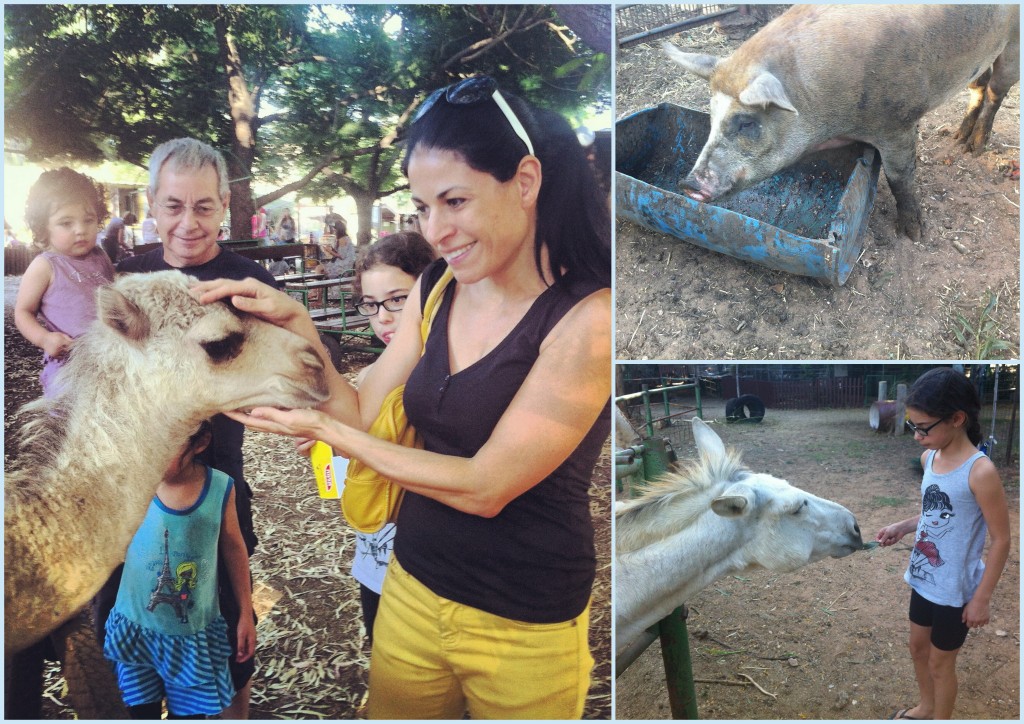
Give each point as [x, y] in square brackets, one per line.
[696, 188]
[697, 195]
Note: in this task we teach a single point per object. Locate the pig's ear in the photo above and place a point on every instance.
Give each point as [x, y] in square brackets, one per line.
[766, 90]
[696, 63]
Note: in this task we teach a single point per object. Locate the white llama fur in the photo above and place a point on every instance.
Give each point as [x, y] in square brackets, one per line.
[716, 518]
[151, 368]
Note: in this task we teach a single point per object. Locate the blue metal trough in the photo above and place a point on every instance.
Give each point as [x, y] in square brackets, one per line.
[808, 219]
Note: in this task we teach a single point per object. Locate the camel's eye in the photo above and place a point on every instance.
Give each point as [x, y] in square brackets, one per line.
[226, 348]
[799, 508]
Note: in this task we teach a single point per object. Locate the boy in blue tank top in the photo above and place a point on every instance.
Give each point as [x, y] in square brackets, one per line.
[962, 500]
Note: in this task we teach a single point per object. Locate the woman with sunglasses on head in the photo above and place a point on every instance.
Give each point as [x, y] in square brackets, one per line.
[486, 602]
[961, 497]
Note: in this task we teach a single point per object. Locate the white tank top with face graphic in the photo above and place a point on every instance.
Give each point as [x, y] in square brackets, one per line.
[946, 563]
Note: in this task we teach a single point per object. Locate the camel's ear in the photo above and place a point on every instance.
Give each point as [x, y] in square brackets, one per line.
[737, 500]
[708, 442]
[121, 314]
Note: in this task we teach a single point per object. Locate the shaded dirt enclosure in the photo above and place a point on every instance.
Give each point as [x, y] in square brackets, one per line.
[903, 300]
[829, 641]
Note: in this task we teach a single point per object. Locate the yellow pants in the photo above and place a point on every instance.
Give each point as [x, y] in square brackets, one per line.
[436, 659]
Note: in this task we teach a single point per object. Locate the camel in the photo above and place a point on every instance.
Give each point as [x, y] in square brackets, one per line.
[691, 528]
[153, 366]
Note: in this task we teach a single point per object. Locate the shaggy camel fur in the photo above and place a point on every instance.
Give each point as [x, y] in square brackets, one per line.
[138, 383]
[692, 528]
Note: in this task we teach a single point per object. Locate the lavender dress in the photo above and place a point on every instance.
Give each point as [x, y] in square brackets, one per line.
[69, 303]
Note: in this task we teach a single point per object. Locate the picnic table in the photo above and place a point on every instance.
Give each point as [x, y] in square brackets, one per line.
[293, 277]
[333, 317]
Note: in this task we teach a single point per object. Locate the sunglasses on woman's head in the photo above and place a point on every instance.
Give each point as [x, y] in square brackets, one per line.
[475, 90]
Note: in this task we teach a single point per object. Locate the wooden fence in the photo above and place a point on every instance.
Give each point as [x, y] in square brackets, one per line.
[17, 258]
[835, 392]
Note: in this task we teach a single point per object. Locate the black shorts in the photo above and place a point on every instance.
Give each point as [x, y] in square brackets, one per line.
[241, 672]
[946, 622]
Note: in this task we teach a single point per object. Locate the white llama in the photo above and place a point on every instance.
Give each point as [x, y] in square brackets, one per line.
[138, 383]
[690, 529]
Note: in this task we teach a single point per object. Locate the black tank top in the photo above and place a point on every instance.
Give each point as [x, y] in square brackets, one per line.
[534, 561]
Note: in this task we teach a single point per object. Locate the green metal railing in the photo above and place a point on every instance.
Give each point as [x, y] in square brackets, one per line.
[634, 466]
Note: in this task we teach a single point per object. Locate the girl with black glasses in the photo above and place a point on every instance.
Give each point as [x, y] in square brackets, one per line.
[961, 498]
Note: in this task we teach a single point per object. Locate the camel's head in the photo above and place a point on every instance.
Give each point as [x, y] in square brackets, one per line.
[225, 359]
[786, 526]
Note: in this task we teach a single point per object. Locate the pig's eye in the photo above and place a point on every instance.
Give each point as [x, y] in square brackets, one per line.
[747, 125]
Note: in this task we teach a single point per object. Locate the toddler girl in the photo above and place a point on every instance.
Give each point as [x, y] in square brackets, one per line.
[57, 297]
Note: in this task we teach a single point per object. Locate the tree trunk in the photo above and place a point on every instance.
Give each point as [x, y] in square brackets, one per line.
[364, 210]
[243, 139]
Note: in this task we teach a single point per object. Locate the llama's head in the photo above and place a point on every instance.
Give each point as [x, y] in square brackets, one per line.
[150, 334]
[786, 527]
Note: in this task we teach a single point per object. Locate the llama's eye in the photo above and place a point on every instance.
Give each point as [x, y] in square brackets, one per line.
[799, 508]
[226, 348]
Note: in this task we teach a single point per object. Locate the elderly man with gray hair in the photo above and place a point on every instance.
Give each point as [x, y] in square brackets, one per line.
[188, 195]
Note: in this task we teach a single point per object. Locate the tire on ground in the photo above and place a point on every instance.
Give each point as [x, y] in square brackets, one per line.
[744, 407]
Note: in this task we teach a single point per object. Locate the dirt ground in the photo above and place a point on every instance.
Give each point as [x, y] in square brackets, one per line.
[904, 300]
[829, 641]
[312, 659]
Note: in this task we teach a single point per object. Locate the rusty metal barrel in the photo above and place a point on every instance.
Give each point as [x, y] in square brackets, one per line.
[883, 414]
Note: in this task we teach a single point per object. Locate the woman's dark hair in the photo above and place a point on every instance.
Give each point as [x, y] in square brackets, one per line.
[942, 391]
[572, 213]
[55, 188]
[935, 499]
[405, 250]
[130, 219]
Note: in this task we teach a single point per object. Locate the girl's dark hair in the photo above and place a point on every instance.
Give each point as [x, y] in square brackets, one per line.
[935, 499]
[942, 391]
[130, 219]
[55, 188]
[405, 250]
[573, 220]
[205, 429]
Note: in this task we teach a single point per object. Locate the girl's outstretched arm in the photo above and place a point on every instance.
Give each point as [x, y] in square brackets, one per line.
[988, 491]
[893, 534]
[236, 557]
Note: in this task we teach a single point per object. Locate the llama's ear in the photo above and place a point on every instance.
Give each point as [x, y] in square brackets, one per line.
[737, 500]
[708, 442]
[121, 314]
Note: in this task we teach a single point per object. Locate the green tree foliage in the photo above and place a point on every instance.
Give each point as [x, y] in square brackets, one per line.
[307, 97]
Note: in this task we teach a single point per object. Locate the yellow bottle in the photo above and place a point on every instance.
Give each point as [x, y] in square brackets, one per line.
[322, 457]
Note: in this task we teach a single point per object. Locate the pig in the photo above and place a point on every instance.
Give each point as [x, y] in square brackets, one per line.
[821, 76]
